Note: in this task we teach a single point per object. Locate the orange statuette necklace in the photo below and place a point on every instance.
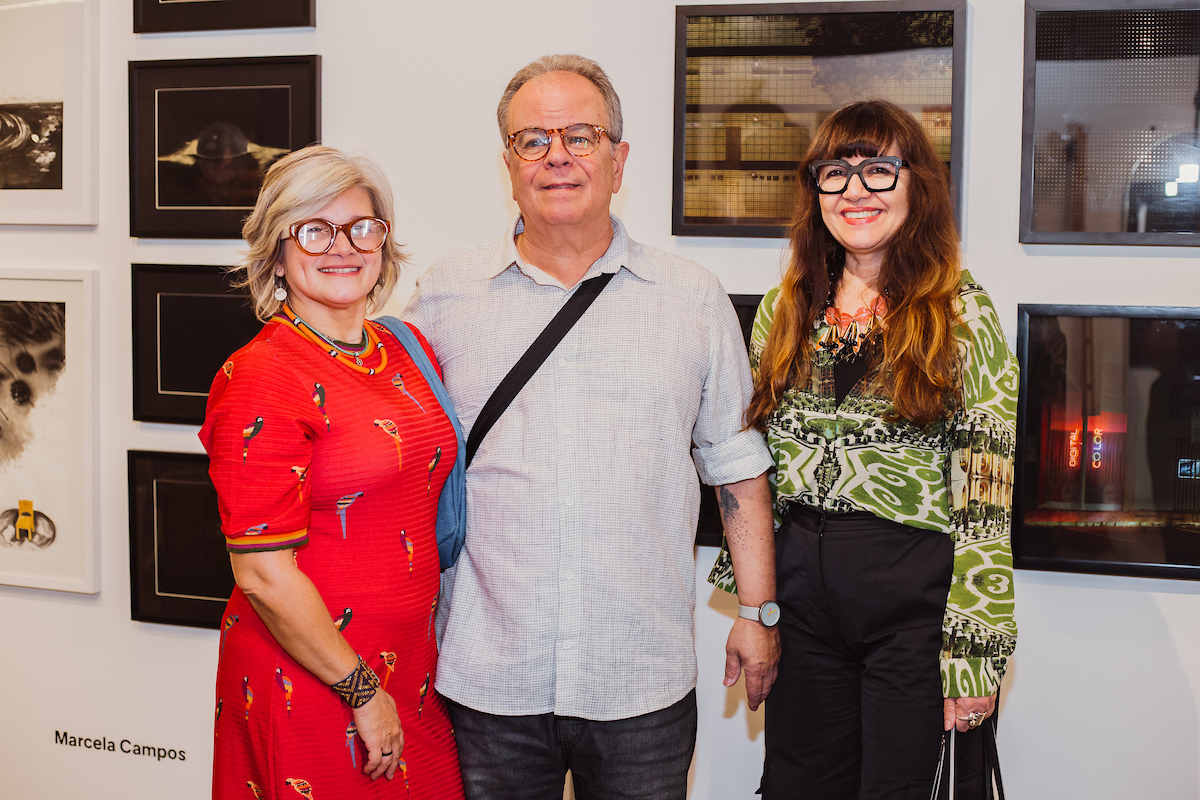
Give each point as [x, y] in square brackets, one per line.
[352, 359]
[848, 333]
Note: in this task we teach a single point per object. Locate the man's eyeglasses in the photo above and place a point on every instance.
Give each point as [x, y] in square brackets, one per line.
[879, 174]
[316, 236]
[580, 139]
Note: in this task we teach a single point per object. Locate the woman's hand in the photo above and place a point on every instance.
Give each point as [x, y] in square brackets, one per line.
[957, 711]
[379, 728]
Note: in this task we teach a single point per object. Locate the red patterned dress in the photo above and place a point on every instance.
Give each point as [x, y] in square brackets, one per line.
[346, 468]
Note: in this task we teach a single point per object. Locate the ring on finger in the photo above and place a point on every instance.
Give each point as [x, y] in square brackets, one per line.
[385, 755]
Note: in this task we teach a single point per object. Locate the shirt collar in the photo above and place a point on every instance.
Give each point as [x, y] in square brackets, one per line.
[621, 252]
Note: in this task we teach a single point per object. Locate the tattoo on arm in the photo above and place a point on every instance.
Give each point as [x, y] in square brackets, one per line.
[727, 501]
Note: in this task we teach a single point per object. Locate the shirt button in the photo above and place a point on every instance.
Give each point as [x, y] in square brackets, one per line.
[566, 645]
[570, 501]
[565, 431]
[562, 362]
[568, 576]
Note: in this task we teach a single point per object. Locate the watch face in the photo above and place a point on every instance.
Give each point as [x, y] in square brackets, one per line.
[769, 613]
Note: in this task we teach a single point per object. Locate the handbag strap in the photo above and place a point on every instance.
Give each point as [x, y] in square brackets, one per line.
[533, 358]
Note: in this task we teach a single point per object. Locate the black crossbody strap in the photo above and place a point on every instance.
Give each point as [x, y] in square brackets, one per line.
[533, 358]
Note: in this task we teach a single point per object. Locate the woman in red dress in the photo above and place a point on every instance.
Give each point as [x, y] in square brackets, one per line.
[328, 452]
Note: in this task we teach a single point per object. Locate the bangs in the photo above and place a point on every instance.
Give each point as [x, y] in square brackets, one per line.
[860, 147]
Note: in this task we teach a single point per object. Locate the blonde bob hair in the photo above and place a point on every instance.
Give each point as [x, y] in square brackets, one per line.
[295, 188]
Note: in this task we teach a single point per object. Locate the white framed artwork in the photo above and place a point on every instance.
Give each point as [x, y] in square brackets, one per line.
[48, 112]
[48, 449]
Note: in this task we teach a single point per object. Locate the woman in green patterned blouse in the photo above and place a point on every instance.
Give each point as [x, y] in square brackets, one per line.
[888, 395]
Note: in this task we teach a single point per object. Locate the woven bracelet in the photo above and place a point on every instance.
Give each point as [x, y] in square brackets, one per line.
[359, 686]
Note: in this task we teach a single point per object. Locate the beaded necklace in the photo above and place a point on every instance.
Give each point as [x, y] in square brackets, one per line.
[351, 358]
[847, 334]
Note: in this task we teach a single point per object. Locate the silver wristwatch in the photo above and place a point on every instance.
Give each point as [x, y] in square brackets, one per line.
[767, 613]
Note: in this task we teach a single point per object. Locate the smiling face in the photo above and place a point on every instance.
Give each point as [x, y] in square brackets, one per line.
[562, 189]
[864, 222]
[333, 286]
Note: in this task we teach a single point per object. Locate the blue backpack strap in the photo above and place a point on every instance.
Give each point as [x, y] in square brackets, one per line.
[452, 504]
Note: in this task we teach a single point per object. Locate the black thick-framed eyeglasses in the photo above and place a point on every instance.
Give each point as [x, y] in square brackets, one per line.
[580, 139]
[878, 174]
[316, 236]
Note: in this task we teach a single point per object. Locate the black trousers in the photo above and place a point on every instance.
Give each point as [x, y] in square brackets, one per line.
[856, 713]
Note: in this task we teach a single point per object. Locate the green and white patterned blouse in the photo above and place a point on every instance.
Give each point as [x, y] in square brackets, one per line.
[955, 477]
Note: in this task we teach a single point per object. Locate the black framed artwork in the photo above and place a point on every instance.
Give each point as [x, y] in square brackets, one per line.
[187, 320]
[178, 567]
[1107, 476]
[202, 132]
[709, 529]
[753, 82]
[161, 16]
[1110, 147]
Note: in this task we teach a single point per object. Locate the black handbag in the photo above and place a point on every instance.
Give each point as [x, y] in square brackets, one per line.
[993, 786]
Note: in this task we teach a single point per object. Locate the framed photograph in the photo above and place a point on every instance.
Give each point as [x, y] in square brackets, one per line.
[1108, 440]
[753, 82]
[162, 16]
[202, 132]
[1110, 146]
[179, 571]
[49, 113]
[187, 320]
[48, 449]
[709, 529]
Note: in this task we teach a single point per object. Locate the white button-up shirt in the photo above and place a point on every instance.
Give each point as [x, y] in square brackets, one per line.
[575, 592]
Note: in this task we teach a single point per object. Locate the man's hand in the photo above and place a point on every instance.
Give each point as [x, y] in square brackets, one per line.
[752, 647]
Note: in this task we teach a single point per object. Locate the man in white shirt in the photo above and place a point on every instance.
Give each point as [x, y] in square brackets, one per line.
[569, 636]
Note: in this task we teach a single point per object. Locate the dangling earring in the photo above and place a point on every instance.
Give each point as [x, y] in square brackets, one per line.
[280, 289]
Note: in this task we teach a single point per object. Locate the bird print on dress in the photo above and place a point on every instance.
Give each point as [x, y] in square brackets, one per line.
[424, 689]
[217, 719]
[227, 368]
[433, 462]
[248, 433]
[408, 545]
[302, 787]
[318, 397]
[284, 683]
[225, 626]
[389, 427]
[258, 793]
[255, 530]
[351, 732]
[398, 382]
[343, 619]
[343, 504]
[432, 610]
[404, 774]
[248, 693]
[301, 473]
[389, 661]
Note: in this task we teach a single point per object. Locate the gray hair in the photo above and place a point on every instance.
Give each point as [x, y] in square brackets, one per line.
[295, 188]
[577, 65]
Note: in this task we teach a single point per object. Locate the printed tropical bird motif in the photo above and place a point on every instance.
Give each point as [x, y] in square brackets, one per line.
[225, 626]
[318, 397]
[301, 473]
[249, 695]
[285, 683]
[424, 689]
[398, 382]
[351, 732]
[248, 433]
[341, 622]
[255, 530]
[404, 774]
[408, 545]
[343, 504]
[301, 786]
[433, 462]
[389, 661]
[218, 717]
[389, 427]
[258, 795]
[432, 610]
[227, 368]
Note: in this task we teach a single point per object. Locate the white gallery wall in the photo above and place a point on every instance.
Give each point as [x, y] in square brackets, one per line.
[1103, 699]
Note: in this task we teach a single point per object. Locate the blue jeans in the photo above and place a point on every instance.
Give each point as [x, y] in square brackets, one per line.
[527, 758]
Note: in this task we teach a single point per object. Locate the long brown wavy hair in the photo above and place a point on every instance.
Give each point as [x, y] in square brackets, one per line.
[919, 275]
